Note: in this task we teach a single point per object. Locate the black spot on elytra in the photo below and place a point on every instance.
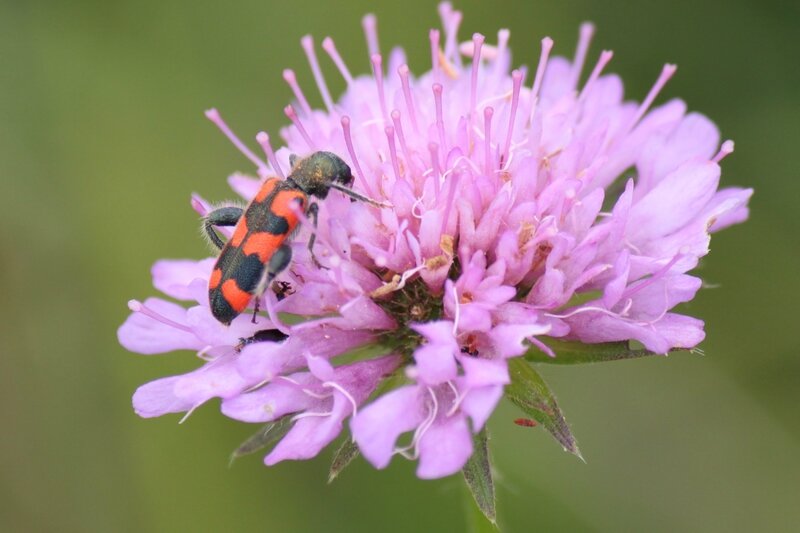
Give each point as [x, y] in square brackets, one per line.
[248, 273]
[276, 225]
[220, 307]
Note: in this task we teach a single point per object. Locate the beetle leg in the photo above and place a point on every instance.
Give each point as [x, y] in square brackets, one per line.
[277, 264]
[313, 214]
[224, 216]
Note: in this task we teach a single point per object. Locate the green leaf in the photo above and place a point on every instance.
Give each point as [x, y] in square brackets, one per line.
[573, 353]
[529, 392]
[478, 475]
[266, 436]
[342, 458]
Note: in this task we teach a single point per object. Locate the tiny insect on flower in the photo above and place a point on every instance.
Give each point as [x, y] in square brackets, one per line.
[259, 249]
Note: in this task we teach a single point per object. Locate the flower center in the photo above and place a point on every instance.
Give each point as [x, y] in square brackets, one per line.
[412, 304]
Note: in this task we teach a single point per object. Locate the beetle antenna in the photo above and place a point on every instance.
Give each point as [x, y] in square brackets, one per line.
[353, 194]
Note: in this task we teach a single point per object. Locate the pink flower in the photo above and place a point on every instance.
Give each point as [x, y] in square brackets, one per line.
[496, 239]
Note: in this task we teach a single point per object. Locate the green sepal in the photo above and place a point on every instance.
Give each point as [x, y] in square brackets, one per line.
[478, 475]
[342, 458]
[575, 353]
[267, 435]
[529, 392]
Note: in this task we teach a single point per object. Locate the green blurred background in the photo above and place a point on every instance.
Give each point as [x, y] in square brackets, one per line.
[102, 138]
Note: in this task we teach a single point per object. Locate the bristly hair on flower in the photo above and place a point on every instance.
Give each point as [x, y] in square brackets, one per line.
[532, 219]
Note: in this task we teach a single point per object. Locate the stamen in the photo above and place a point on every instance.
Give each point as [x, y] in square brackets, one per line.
[199, 205]
[451, 20]
[487, 140]
[586, 33]
[307, 42]
[263, 139]
[311, 415]
[429, 422]
[316, 395]
[272, 313]
[487, 51]
[398, 127]
[203, 354]
[402, 71]
[630, 291]
[502, 45]
[542, 346]
[189, 412]
[214, 116]
[370, 25]
[516, 77]
[588, 309]
[138, 307]
[349, 142]
[456, 400]
[290, 112]
[663, 78]
[377, 72]
[415, 212]
[434, 38]
[392, 151]
[433, 148]
[344, 392]
[407, 274]
[477, 42]
[547, 45]
[421, 430]
[330, 48]
[605, 57]
[457, 312]
[725, 150]
[290, 78]
[437, 98]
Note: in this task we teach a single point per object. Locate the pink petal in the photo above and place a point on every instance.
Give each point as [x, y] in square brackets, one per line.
[146, 335]
[444, 448]
[377, 427]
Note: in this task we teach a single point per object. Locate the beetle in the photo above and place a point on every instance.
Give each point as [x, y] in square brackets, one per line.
[259, 248]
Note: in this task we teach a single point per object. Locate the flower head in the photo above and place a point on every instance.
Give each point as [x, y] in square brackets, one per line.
[521, 210]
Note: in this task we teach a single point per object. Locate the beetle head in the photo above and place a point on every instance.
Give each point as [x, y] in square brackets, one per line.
[316, 173]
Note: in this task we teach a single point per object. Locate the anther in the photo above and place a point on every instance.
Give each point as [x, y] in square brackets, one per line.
[199, 205]
[402, 71]
[663, 78]
[389, 130]
[605, 57]
[451, 20]
[516, 77]
[291, 80]
[487, 140]
[292, 115]
[263, 139]
[307, 42]
[477, 42]
[437, 97]
[502, 44]
[138, 307]
[214, 116]
[370, 25]
[377, 72]
[724, 150]
[547, 45]
[434, 38]
[348, 140]
[398, 127]
[330, 48]
[433, 148]
[586, 33]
